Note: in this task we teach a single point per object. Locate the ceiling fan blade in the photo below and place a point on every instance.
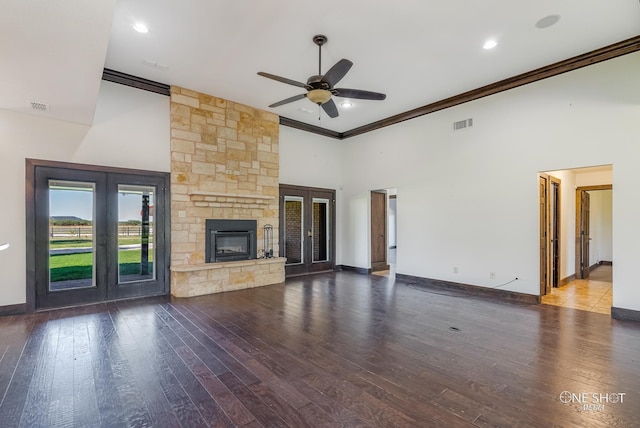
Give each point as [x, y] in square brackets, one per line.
[337, 72]
[330, 108]
[282, 79]
[358, 94]
[289, 100]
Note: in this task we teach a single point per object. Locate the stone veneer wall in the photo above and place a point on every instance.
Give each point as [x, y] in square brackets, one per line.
[224, 164]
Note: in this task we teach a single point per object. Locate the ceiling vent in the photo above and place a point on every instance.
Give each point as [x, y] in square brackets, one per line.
[462, 124]
[39, 106]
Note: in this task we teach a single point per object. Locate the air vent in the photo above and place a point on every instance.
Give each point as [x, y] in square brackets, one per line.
[155, 64]
[462, 124]
[39, 106]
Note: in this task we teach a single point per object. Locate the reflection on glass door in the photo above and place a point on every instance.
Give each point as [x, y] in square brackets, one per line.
[320, 230]
[293, 230]
[136, 233]
[71, 235]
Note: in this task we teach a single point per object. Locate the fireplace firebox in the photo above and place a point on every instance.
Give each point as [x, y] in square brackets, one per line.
[230, 240]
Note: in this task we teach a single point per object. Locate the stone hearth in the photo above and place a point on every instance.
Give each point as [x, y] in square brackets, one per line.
[224, 165]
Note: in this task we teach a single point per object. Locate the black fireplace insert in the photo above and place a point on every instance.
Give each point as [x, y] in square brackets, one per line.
[230, 240]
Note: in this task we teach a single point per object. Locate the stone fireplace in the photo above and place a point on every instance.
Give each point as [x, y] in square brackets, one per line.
[230, 240]
[224, 166]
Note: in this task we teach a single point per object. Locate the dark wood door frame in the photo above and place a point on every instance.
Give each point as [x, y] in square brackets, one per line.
[34, 221]
[379, 243]
[543, 201]
[555, 235]
[580, 244]
[550, 215]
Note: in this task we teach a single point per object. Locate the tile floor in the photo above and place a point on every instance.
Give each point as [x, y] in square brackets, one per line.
[594, 294]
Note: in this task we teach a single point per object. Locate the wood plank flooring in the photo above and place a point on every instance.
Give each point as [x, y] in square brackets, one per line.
[328, 350]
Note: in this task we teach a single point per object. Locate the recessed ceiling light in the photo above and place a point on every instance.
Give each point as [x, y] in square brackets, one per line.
[490, 44]
[548, 21]
[346, 104]
[140, 27]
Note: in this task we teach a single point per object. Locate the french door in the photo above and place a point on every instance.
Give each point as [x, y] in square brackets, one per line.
[95, 234]
[307, 232]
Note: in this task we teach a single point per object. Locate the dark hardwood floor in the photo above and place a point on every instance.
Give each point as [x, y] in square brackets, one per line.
[327, 350]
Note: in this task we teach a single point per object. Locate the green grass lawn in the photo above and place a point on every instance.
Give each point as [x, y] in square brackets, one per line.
[66, 267]
[80, 242]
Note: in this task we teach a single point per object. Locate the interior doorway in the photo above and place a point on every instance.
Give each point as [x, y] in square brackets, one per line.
[583, 233]
[585, 260]
[392, 221]
[379, 242]
[384, 231]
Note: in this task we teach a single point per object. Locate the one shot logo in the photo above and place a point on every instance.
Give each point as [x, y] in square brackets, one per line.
[592, 401]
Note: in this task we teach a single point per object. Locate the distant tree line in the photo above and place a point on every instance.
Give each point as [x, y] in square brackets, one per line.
[68, 222]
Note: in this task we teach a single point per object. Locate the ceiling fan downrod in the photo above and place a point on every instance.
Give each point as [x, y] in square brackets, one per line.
[320, 40]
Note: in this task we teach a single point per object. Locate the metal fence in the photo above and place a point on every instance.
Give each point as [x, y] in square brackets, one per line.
[87, 231]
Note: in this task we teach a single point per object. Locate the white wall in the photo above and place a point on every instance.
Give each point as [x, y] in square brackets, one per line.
[311, 160]
[600, 227]
[470, 199]
[131, 130]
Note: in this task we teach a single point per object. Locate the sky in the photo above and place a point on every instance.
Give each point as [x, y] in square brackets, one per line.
[80, 204]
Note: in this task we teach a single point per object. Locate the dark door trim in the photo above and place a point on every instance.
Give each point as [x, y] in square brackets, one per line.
[79, 171]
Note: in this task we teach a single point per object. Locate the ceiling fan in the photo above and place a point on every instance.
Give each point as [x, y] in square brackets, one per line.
[320, 87]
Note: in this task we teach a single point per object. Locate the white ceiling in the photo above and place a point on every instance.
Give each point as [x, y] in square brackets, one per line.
[415, 51]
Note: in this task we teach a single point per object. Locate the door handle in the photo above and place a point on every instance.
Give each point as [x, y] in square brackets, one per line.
[309, 233]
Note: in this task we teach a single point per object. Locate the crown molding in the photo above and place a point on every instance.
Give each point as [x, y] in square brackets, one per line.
[603, 54]
[135, 82]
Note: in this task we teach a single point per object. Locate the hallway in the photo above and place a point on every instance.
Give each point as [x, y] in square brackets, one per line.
[594, 294]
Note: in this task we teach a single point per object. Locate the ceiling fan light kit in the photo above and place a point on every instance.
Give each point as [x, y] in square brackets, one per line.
[319, 96]
[320, 88]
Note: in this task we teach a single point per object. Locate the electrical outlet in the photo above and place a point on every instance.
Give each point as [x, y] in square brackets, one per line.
[492, 275]
[455, 269]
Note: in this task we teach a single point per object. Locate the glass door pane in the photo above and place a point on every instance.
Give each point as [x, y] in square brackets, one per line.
[320, 230]
[293, 230]
[71, 235]
[136, 250]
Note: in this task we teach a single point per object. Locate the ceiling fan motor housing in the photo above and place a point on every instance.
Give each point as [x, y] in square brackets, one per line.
[316, 82]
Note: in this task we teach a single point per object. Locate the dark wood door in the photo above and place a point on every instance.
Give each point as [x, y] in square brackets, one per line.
[307, 232]
[378, 231]
[544, 259]
[96, 235]
[584, 234]
[555, 233]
